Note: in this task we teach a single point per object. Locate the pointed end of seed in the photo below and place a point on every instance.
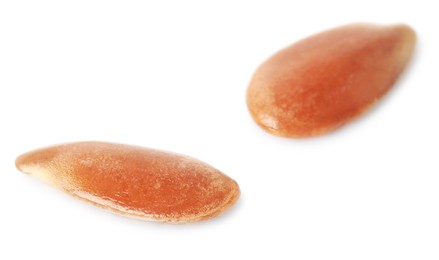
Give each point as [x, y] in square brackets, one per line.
[408, 33]
[21, 161]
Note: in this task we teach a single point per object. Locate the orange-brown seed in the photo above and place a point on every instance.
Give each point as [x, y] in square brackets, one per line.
[318, 84]
[134, 181]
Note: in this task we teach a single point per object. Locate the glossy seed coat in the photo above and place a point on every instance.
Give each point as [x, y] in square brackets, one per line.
[318, 84]
[134, 181]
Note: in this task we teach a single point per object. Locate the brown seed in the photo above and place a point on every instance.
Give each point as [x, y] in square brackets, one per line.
[318, 84]
[134, 181]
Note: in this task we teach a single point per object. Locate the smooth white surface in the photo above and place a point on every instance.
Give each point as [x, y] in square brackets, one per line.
[172, 75]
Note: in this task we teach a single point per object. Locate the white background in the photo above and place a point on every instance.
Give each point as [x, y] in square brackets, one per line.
[173, 76]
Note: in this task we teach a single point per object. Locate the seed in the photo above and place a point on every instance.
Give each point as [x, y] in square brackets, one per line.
[318, 84]
[134, 181]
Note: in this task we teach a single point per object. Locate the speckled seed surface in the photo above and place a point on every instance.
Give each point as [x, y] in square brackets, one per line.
[134, 181]
[318, 84]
